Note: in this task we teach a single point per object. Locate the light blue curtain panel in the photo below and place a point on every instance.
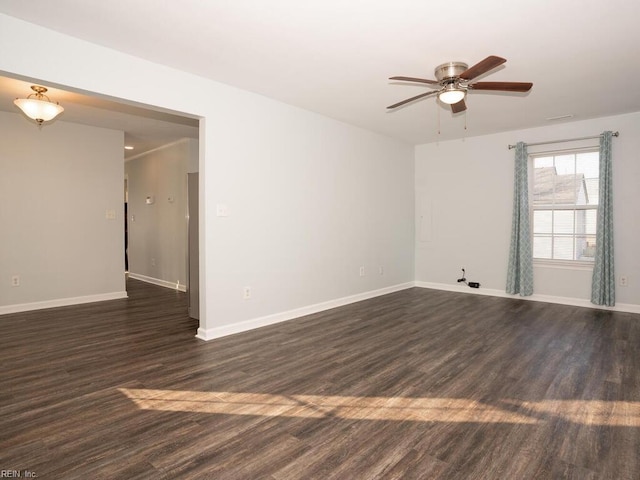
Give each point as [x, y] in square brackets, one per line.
[603, 283]
[520, 272]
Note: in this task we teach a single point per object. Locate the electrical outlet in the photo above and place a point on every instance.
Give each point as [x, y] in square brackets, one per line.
[246, 293]
[362, 271]
[381, 270]
[15, 281]
[153, 262]
[624, 281]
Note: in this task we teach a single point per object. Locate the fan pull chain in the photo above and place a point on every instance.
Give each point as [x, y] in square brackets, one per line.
[438, 110]
[465, 126]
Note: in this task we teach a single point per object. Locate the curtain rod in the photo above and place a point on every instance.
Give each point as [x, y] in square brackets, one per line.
[615, 134]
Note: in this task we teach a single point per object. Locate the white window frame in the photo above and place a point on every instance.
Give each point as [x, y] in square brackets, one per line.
[551, 262]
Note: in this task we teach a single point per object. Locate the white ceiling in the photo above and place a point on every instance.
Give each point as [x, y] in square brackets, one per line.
[334, 57]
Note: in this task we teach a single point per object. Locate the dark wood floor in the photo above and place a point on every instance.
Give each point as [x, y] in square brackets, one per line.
[416, 384]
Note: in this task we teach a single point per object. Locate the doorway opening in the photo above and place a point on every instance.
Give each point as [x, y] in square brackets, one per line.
[145, 128]
[162, 218]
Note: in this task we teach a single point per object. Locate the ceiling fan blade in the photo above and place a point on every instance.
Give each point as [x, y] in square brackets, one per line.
[413, 79]
[422, 95]
[502, 86]
[481, 67]
[458, 107]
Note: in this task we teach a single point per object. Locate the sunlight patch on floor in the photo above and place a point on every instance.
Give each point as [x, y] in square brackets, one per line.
[588, 412]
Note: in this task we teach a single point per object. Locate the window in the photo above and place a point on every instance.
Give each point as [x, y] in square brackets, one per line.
[564, 205]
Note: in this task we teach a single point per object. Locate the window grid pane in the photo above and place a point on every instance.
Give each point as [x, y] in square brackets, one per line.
[564, 202]
[542, 246]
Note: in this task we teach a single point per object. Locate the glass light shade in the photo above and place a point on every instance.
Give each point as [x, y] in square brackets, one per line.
[39, 110]
[451, 96]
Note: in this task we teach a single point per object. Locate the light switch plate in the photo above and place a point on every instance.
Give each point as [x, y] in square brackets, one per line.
[222, 210]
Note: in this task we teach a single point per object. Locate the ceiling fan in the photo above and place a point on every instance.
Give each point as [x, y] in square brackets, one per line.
[453, 80]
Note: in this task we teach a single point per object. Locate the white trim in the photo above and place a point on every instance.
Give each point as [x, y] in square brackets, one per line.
[563, 264]
[575, 302]
[156, 281]
[161, 147]
[217, 332]
[61, 302]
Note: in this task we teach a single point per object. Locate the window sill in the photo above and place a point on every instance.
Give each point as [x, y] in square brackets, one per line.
[563, 264]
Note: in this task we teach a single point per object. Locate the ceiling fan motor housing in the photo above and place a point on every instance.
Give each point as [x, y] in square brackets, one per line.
[449, 70]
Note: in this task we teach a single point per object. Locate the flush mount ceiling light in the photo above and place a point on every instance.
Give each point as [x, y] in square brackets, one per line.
[41, 108]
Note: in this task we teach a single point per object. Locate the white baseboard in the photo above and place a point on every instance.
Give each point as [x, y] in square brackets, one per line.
[223, 331]
[156, 281]
[61, 302]
[576, 302]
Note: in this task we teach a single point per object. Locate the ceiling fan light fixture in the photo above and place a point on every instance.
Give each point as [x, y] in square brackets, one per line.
[451, 95]
[41, 108]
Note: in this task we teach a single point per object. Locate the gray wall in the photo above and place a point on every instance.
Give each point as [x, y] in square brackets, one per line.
[158, 231]
[464, 197]
[56, 185]
[310, 199]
